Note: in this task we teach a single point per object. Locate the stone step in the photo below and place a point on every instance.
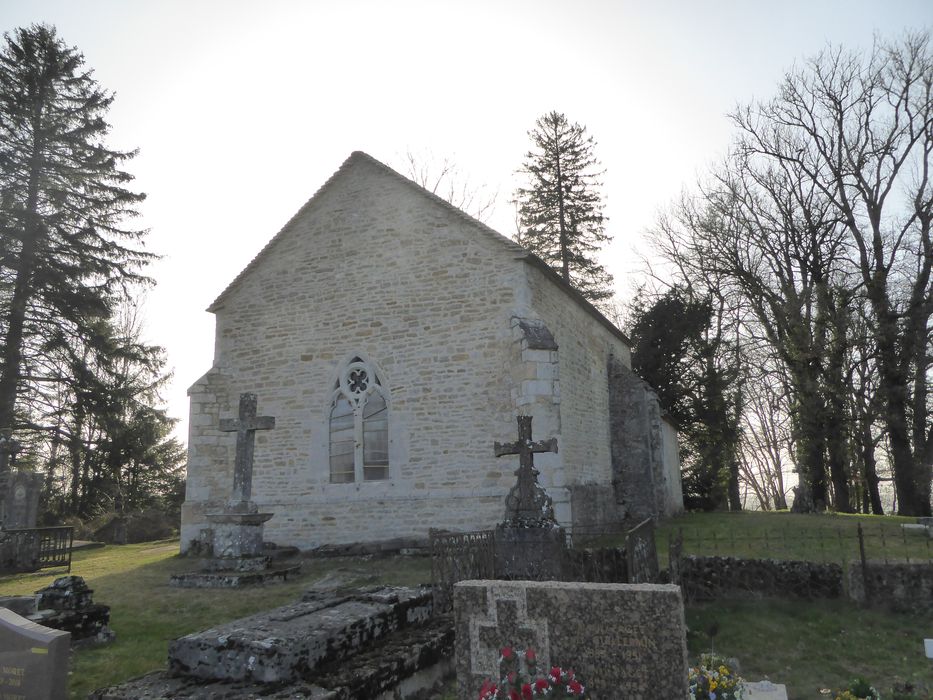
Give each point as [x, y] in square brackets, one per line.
[407, 664]
[295, 641]
[232, 578]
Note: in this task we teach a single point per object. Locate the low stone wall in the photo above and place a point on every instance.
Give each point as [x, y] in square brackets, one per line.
[900, 586]
[710, 578]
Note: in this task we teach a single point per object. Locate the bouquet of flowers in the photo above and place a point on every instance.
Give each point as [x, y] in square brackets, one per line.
[518, 681]
[712, 679]
[859, 689]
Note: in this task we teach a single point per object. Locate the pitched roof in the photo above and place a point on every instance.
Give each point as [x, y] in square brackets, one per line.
[508, 244]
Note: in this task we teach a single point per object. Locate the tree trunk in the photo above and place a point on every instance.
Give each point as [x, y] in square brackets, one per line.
[22, 288]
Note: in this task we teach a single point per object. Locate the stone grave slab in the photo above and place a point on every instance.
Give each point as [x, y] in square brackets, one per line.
[623, 641]
[33, 659]
[765, 690]
[280, 645]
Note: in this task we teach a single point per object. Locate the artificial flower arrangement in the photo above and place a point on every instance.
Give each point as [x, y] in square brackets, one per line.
[712, 679]
[517, 679]
[859, 689]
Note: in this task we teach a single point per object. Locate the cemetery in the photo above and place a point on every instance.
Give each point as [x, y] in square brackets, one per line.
[423, 459]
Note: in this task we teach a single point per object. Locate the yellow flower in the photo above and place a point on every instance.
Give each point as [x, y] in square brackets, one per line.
[712, 685]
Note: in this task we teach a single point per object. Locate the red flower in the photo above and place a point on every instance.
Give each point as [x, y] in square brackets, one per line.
[555, 673]
[530, 655]
[574, 688]
[507, 652]
[513, 695]
[541, 685]
[488, 690]
[526, 691]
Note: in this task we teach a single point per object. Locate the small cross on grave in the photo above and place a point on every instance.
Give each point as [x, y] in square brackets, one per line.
[245, 427]
[527, 503]
[506, 624]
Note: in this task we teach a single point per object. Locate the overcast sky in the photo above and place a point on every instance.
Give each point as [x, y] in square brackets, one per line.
[241, 110]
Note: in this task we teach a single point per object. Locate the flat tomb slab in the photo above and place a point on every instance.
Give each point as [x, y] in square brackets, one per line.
[623, 641]
[411, 661]
[289, 642]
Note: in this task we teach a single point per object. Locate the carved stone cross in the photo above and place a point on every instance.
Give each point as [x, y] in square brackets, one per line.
[245, 427]
[527, 503]
[506, 624]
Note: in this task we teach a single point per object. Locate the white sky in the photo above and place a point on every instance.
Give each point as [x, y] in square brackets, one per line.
[241, 110]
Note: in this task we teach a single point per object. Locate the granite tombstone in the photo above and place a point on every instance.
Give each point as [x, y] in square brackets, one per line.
[623, 641]
[33, 659]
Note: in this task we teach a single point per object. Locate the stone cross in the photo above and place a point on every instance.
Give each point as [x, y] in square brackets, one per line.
[245, 427]
[527, 502]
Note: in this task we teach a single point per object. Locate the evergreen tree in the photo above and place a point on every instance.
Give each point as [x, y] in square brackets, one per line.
[65, 254]
[560, 212]
[678, 347]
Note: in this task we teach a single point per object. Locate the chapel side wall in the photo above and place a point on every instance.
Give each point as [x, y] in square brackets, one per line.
[585, 346]
[370, 267]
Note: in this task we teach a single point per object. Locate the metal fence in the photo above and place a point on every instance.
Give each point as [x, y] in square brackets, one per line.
[880, 542]
[32, 549]
[459, 556]
[641, 553]
[871, 561]
[592, 556]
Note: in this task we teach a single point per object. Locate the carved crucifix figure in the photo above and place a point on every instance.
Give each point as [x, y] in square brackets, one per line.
[527, 503]
[245, 427]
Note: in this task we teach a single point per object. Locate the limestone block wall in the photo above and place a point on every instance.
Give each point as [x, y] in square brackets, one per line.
[585, 345]
[368, 268]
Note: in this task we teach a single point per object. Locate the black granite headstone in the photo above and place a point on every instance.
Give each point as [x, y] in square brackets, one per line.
[33, 659]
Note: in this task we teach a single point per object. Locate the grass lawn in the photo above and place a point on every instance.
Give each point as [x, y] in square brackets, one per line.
[146, 613]
[806, 645]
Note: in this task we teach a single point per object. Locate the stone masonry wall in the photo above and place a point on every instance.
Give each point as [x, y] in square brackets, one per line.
[369, 268]
[585, 345]
[372, 267]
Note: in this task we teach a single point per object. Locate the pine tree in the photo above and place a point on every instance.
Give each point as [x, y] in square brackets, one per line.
[560, 212]
[65, 254]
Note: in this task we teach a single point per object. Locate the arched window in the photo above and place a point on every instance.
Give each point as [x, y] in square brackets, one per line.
[359, 426]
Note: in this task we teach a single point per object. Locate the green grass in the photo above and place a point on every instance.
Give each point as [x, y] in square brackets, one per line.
[805, 645]
[814, 645]
[146, 613]
[784, 535]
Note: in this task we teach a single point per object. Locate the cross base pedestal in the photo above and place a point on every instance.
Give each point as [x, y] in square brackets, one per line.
[529, 553]
[238, 531]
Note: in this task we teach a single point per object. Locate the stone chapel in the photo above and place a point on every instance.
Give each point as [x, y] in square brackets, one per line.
[395, 339]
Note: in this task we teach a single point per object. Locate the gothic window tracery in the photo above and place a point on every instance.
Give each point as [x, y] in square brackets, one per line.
[359, 425]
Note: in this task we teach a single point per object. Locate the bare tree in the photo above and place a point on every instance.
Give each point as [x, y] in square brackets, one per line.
[442, 176]
[860, 131]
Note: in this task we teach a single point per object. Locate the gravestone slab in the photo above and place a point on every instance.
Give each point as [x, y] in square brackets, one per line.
[33, 659]
[21, 508]
[623, 641]
[765, 690]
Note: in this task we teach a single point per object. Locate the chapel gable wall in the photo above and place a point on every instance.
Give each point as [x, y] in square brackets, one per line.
[370, 266]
